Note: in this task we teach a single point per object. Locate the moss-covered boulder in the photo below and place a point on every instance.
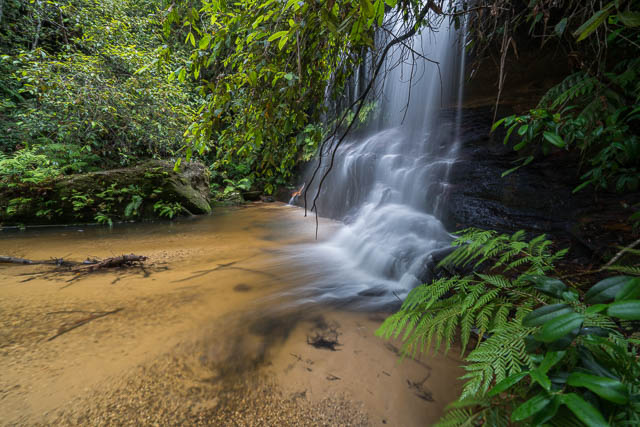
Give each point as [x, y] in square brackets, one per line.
[150, 189]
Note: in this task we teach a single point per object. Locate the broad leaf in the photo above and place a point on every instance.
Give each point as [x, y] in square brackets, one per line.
[559, 327]
[593, 23]
[541, 378]
[627, 310]
[629, 291]
[607, 388]
[550, 359]
[530, 407]
[547, 285]
[554, 139]
[583, 410]
[507, 383]
[544, 314]
[606, 290]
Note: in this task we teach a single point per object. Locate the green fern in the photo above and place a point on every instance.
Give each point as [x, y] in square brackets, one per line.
[634, 271]
[434, 314]
[496, 358]
[574, 86]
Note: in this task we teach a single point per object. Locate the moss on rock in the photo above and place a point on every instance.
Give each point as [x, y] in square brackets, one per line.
[130, 193]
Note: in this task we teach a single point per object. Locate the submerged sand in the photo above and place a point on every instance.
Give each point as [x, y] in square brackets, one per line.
[209, 333]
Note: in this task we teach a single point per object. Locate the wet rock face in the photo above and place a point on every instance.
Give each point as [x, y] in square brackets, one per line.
[538, 197]
[80, 198]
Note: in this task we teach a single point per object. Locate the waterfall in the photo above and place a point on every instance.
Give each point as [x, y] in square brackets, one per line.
[388, 183]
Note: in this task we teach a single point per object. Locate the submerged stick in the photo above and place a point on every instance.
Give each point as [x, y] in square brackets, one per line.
[84, 321]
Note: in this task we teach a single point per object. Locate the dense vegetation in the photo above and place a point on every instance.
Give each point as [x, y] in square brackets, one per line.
[71, 98]
[253, 88]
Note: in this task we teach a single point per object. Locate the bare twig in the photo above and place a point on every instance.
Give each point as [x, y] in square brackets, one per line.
[63, 330]
[360, 103]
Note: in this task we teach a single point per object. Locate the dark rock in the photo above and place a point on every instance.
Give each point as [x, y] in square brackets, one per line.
[251, 196]
[537, 198]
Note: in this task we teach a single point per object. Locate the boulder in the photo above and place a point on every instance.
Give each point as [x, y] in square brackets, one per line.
[132, 193]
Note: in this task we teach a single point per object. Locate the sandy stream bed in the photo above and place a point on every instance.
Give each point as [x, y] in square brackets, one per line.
[209, 334]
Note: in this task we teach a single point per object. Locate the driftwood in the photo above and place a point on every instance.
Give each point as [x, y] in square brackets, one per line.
[81, 267]
[119, 261]
[14, 260]
[78, 323]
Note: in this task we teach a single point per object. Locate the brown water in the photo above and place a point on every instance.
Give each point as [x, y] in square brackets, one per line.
[212, 332]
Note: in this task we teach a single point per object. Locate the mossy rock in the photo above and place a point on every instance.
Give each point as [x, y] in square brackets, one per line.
[119, 194]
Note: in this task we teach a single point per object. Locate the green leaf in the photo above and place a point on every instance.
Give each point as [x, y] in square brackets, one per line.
[507, 383]
[547, 285]
[607, 388]
[593, 23]
[191, 38]
[531, 407]
[549, 412]
[523, 129]
[629, 291]
[204, 42]
[498, 123]
[282, 42]
[627, 310]
[589, 363]
[554, 139]
[561, 26]
[598, 308]
[277, 35]
[541, 378]
[583, 410]
[559, 327]
[629, 18]
[550, 359]
[545, 313]
[367, 8]
[290, 3]
[606, 290]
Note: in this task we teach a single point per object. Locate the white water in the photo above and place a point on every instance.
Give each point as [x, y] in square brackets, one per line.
[388, 184]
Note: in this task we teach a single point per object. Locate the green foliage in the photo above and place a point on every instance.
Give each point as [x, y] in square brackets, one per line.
[264, 68]
[542, 355]
[68, 82]
[169, 210]
[27, 166]
[595, 110]
[481, 303]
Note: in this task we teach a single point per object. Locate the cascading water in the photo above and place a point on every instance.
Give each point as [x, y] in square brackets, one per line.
[387, 184]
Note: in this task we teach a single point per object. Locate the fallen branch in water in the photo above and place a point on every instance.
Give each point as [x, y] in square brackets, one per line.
[14, 260]
[85, 266]
[64, 329]
[119, 261]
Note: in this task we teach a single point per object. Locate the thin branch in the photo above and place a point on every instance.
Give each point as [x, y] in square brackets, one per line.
[360, 102]
[64, 330]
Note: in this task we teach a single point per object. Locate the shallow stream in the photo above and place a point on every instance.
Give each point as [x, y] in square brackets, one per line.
[216, 329]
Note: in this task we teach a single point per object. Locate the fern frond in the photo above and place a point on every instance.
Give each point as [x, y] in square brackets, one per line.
[575, 86]
[458, 418]
[625, 269]
[499, 356]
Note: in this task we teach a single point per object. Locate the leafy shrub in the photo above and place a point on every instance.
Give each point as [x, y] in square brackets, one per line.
[544, 352]
[595, 110]
[26, 166]
[78, 89]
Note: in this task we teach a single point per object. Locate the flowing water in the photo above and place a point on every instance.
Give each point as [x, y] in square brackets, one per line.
[388, 184]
